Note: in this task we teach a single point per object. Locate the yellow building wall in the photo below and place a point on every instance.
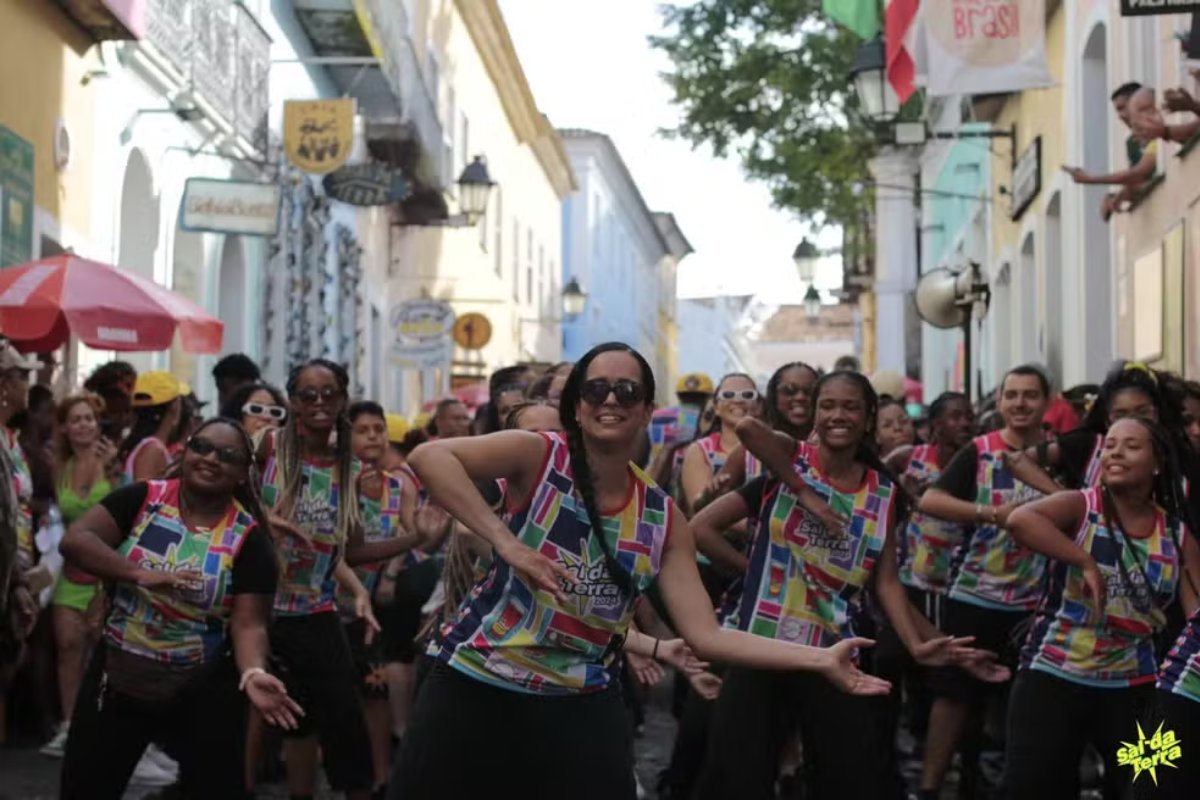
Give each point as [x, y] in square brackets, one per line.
[43, 58]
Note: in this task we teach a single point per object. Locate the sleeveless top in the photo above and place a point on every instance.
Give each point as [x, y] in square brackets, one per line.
[711, 447]
[72, 505]
[510, 636]
[992, 569]
[22, 486]
[1069, 642]
[803, 579]
[131, 459]
[927, 547]
[1180, 673]
[1091, 476]
[166, 626]
[381, 521]
[306, 582]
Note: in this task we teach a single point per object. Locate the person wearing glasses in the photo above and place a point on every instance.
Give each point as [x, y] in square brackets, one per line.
[194, 574]
[259, 406]
[736, 398]
[534, 645]
[311, 485]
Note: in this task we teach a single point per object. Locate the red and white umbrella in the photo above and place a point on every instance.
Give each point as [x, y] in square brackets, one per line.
[44, 302]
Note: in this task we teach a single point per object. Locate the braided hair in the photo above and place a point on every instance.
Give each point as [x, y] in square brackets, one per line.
[1132, 375]
[866, 453]
[775, 417]
[568, 408]
[1166, 490]
[942, 402]
[245, 493]
[288, 447]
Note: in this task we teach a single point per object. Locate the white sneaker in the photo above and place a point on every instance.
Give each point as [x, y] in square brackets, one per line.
[149, 773]
[641, 792]
[57, 745]
[162, 761]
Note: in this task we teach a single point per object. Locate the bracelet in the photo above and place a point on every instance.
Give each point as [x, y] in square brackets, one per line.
[248, 674]
[654, 655]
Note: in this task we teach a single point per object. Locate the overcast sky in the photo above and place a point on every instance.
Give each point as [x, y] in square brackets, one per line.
[590, 66]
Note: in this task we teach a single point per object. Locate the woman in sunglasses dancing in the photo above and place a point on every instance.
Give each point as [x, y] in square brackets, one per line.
[194, 572]
[532, 645]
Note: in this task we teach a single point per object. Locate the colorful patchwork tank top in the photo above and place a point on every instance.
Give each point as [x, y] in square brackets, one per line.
[993, 570]
[381, 521]
[804, 580]
[1091, 475]
[306, 582]
[22, 484]
[711, 447]
[169, 628]
[508, 635]
[1068, 641]
[928, 546]
[1180, 672]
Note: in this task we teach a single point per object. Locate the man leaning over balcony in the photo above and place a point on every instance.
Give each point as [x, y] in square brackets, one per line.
[1131, 101]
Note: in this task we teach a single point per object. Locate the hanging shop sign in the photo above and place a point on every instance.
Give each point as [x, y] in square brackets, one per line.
[1027, 177]
[238, 207]
[16, 199]
[421, 334]
[984, 46]
[1142, 8]
[108, 19]
[318, 134]
[472, 331]
[366, 185]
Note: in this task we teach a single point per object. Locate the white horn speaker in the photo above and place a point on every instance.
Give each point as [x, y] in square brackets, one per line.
[944, 298]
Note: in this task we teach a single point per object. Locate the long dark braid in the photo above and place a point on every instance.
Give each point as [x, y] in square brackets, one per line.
[288, 449]
[866, 453]
[247, 493]
[581, 469]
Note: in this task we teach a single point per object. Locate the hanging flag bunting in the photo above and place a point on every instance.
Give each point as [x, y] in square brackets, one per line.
[985, 47]
[860, 16]
[318, 134]
[900, 29]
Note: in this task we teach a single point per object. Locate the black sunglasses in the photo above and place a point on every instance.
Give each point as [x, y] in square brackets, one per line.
[310, 395]
[790, 389]
[628, 393]
[234, 456]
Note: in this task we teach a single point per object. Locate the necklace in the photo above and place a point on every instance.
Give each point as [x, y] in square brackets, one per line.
[186, 512]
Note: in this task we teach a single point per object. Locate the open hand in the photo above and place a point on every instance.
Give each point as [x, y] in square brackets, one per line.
[834, 522]
[677, 653]
[986, 668]
[183, 581]
[270, 697]
[364, 611]
[945, 650]
[841, 671]
[646, 670]
[536, 570]
[705, 684]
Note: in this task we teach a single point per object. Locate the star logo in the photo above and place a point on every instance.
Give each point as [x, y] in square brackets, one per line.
[1162, 749]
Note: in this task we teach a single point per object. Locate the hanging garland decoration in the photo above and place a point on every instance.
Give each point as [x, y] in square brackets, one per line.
[349, 317]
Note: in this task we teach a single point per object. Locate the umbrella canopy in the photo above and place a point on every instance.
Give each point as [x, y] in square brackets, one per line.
[43, 302]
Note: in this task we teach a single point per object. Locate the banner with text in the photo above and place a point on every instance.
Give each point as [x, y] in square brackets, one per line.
[985, 47]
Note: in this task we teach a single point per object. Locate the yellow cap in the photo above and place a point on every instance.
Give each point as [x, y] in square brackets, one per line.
[694, 383]
[397, 426]
[421, 420]
[155, 389]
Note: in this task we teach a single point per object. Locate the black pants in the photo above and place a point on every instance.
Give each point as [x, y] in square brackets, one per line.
[204, 726]
[468, 739]
[691, 744]
[315, 663]
[1050, 723]
[1182, 716]
[845, 748]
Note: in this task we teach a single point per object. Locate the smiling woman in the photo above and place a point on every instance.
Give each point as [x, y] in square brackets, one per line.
[534, 645]
[191, 561]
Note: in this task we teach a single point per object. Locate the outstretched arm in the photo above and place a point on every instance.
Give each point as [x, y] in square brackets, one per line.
[777, 451]
[697, 623]
[1042, 526]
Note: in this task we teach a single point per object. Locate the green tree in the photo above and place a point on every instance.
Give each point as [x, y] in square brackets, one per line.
[769, 80]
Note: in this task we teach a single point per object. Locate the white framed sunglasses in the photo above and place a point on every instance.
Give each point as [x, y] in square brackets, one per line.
[277, 413]
[747, 395]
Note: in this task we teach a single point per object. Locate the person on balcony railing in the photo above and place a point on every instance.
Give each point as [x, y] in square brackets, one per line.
[1132, 101]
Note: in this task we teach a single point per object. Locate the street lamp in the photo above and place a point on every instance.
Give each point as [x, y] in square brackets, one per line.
[574, 298]
[875, 94]
[806, 256]
[475, 185]
[812, 303]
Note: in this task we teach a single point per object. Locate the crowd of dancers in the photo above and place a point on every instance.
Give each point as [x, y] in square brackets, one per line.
[473, 607]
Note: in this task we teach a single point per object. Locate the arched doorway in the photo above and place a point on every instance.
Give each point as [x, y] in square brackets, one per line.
[1095, 277]
[1052, 290]
[231, 294]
